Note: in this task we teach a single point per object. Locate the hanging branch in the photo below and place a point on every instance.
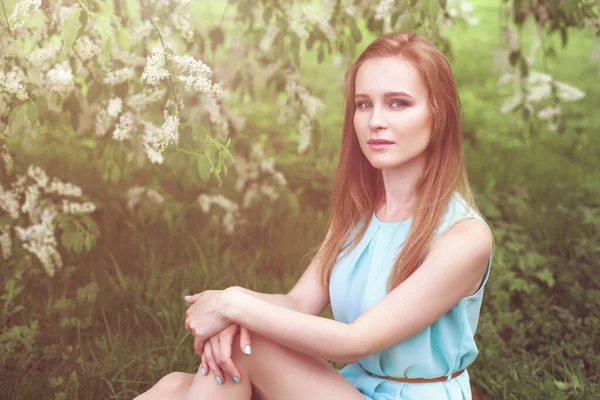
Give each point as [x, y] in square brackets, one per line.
[6, 18]
[165, 50]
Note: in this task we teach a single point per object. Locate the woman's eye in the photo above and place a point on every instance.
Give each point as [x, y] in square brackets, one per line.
[402, 103]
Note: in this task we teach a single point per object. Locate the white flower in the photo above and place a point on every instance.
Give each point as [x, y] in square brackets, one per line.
[304, 132]
[8, 160]
[269, 36]
[22, 12]
[280, 178]
[43, 57]
[14, 83]
[250, 195]
[124, 127]
[182, 23]
[70, 207]
[115, 105]
[39, 240]
[204, 202]
[5, 241]
[155, 69]
[199, 74]
[229, 222]
[548, 113]
[134, 196]
[56, 186]
[267, 165]
[156, 140]
[511, 103]
[383, 9]
[103, 122]
[568, 93]
[60, 78]
[270, 192]
[32, 195]
[139, 101]
[38, 175]
[155, 197]
[9, 202]
[539, 93]
[87, 48]
[118, 76]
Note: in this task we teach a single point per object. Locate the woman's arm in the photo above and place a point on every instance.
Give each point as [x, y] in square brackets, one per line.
[305, 333]
[278, 299]
[454, 265]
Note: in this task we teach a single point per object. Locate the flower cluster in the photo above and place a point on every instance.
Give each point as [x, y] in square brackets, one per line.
[60, 78]
[156, 140]
[138, 193]
[32, 199]
[119, 76]
[22, 12]
[383, 9]
[229, 206]
[538, 88]
[462, 10]
[311, 106]
[257, 176]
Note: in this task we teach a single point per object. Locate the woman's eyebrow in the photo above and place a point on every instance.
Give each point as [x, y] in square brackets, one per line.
[385, 95]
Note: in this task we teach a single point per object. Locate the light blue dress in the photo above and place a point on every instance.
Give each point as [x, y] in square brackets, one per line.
[358, 281]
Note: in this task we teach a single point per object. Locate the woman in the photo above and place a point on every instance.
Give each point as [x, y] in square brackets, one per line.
[404, 262]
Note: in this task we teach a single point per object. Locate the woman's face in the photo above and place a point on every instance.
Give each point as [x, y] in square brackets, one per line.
[392, 103]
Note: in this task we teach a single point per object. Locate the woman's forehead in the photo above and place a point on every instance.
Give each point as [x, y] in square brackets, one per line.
[377, 76]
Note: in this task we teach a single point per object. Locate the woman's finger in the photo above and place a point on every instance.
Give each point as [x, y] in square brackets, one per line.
[192, 298]
[245, 342]
[212, 364]
[198, 346]
[224, 358]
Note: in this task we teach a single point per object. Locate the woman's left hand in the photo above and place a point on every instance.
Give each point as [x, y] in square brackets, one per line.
[206, 316]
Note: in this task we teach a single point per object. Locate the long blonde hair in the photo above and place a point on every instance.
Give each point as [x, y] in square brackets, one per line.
[358, 186]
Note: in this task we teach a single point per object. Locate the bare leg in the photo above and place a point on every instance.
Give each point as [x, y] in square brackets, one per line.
[174, 386]
[276, 372]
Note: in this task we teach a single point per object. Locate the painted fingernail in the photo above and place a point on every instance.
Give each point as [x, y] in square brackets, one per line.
[236, 379]
[219, 381]
[202, 370]
[248, 349]
[187, 297]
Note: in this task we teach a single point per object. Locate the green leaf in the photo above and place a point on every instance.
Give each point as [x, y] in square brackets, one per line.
[103, 29]
[443, 3]
[88, 143]
[356, 35]
[70, 28]
[32, 111]
[321, 54]
[115, 173]
[204, 168]
[267, 14]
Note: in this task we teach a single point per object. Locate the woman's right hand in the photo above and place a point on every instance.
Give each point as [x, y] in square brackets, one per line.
[216, 354]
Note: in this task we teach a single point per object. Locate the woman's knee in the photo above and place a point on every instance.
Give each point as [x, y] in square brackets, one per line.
[175, 381]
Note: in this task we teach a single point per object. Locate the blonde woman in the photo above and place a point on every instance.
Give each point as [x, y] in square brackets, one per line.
[404, 262]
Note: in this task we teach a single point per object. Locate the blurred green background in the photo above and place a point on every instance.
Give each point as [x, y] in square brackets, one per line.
[110, 322]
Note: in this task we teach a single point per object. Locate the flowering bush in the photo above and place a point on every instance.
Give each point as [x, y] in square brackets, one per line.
[111, 67]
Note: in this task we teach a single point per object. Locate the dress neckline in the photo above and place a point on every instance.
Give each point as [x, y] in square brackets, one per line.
[406, 221]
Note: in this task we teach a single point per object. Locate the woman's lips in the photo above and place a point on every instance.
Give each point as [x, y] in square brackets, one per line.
[380, 145]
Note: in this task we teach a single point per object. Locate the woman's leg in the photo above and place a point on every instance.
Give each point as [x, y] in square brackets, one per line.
[174, 386]
[276, 372]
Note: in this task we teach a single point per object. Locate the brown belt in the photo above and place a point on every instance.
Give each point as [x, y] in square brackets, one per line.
[415, 380]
